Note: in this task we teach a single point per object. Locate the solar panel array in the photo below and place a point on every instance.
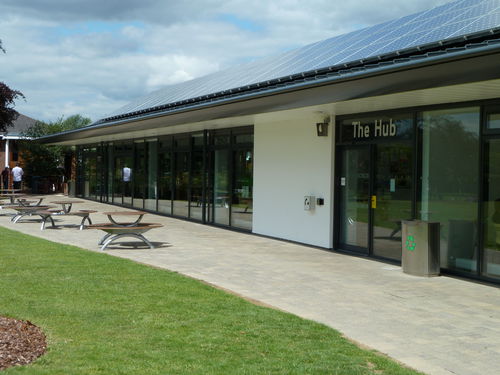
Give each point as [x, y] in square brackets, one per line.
[449, 21]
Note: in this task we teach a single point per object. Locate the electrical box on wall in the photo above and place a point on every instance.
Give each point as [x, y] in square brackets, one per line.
[309, 202]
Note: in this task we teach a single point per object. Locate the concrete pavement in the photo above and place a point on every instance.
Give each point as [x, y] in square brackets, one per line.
[439, 325]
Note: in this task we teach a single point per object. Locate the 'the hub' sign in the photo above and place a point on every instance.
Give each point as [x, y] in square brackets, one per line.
[376, 130]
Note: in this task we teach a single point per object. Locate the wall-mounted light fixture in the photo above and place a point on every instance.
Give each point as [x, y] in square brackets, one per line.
[322, 129]
[322, 120]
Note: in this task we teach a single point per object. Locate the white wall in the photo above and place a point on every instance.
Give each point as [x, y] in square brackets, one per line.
[291, 161]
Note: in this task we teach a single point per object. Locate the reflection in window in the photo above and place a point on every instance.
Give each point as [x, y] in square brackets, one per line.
[152, 169]
[491, 263]
[90, 189]
[165, 179]
[203, 176]
[221, 187]
[494, 121]
[109, 173]
[450, 159]
[181, 207]
[118, 181]
[242, 204]
[197, 184]
[139, 175]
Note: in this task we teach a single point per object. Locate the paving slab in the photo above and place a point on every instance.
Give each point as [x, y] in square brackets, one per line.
[439, 325]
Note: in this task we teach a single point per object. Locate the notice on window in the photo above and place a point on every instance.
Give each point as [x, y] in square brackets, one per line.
[342, 181]
[392, 185]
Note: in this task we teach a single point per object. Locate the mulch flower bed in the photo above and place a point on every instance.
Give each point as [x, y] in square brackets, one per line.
[21, 342]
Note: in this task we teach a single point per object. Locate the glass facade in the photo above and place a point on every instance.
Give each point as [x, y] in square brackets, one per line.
[450, 182]
[242, 202]
[491, 196]
[438, 165]
[354, 197]
[204, 176]
[375, 182]
[165, 178]
[393, 184]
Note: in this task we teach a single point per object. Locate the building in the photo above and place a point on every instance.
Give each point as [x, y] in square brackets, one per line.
[9, 153]
[331, 144]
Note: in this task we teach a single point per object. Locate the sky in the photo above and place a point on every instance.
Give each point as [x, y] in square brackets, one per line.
[90, 57]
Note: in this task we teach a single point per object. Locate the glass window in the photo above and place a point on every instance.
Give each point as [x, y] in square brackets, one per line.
[180, 175]
[152, 170]
[198, 140]
[182, 142]
[117, 180]
[221, 186]
[196, 184]
[393, 190]
[450, 182]
[354, 197]
[123, 173]
[110, 173]
[165, 143]
[373, 128]
[90, 175]
[243, 138]
[221, 139]
[139, 177]
[493, 121]
[127, 173]
[242, 201]
[491, 258]
[181, 201]
[99, 176]
[165, 181]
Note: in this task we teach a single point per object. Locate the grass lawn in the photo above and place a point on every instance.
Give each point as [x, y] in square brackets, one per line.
[106, 315]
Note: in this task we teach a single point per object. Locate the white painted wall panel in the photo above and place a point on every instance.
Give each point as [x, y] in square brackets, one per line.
[291, 161]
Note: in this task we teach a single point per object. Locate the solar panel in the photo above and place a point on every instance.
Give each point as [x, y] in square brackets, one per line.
[451, 20]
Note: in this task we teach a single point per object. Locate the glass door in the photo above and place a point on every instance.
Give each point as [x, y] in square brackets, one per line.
[392, 197]
[354, 214]
[376, 194]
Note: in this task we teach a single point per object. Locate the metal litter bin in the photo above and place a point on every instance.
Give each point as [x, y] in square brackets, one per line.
[420, 248]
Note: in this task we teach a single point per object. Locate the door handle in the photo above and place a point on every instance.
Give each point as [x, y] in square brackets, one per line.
[374, 201]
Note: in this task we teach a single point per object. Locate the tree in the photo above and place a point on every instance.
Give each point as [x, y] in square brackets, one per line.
[42, 128]
[7, 98]
[42, 160]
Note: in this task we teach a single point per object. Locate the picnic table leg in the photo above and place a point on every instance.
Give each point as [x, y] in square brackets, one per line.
[110, 217]
[44, 220]
[106, 236]
[16, 218]
[133, 235]
[82, 224]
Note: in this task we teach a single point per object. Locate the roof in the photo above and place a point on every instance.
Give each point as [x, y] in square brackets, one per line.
[440, 30]
[18, 126]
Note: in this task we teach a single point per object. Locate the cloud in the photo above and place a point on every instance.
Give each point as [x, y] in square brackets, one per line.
[91, 57]
[152, 11]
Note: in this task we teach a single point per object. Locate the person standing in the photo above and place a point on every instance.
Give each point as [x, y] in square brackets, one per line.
[17, 176]
[5, 177]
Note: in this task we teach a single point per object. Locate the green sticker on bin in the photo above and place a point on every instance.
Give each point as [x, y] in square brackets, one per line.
[410, 243]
